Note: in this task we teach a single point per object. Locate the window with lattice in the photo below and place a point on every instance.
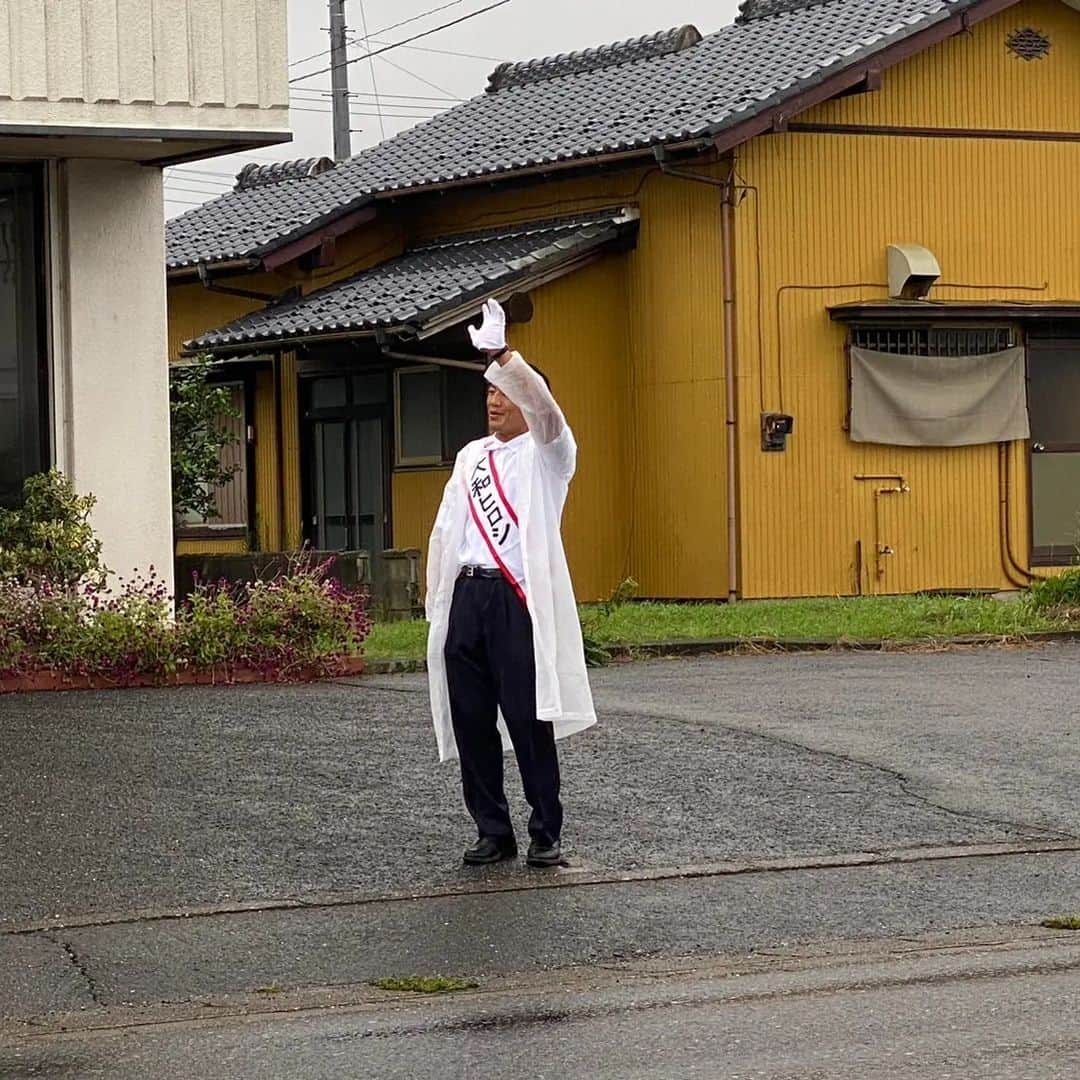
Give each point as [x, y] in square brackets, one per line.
[935, 340]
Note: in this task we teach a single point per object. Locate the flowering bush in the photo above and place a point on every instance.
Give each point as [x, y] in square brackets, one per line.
[299, 619]
[303, 619]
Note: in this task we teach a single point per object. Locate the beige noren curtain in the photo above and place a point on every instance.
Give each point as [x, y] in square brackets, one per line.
[938, 400]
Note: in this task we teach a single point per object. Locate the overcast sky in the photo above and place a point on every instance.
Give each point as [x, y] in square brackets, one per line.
[414, 81]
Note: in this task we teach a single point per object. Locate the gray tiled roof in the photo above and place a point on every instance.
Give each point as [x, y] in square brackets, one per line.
[633, 100]
[428, 281]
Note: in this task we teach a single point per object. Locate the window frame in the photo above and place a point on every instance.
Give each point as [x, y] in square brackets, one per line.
[430, 462]
[447, 453]
[1014, 330]
[218, 528]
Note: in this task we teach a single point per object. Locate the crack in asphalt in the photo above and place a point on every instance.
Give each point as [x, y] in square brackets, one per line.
[903, 781]
[80, 967]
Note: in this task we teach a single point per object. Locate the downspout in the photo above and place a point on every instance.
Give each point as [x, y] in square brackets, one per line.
[1009, 563]
[434, 361]
[248, 294]
[728, 202]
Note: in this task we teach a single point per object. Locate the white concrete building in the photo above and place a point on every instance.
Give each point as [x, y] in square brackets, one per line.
[96, 96]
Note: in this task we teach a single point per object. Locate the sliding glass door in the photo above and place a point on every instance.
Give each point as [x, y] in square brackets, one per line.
[347, 463]
[24, 388]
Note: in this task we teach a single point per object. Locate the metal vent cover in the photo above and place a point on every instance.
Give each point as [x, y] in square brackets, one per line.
[1029, 44]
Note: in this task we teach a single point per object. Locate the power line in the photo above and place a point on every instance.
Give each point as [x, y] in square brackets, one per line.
[194, 191]
[407, 41]
[199, 180]
[417, 18]
[318, 94]
[199, 172]
[359, 112]
[448, 52]
[419, 78]
[371, 63]
[383, 30]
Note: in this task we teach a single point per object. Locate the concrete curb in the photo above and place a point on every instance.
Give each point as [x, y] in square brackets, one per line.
[650, 650]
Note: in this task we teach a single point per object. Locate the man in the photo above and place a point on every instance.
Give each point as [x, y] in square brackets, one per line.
[505, 656]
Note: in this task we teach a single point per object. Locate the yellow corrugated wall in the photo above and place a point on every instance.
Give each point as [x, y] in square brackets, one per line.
[194, 310]
[578, 339]
[416, 497]
[268, 535]
[676, 459]
[974, 81]
[236, 546]
[668, 477]
[822, 216]
[292, 537]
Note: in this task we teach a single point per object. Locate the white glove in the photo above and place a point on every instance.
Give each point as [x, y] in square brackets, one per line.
[491, 336]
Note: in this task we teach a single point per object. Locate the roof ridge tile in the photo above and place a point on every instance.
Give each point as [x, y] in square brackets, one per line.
[749, 10]
[528, 72]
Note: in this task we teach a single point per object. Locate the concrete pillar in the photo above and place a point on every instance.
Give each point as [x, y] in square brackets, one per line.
[110, 356]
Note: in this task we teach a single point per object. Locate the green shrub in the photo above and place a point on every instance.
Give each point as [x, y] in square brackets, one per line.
[303, 619]
[49, 537]
[197, 411]
[1057, 592]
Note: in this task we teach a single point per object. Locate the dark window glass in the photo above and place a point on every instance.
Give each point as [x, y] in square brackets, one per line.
[1053, 392]
[439, 411]
[420, 410]
[466, 409]
[369, 389]
[329, 393]
[23, 385]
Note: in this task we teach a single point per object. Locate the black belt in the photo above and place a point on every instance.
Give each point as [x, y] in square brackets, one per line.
[480, 571]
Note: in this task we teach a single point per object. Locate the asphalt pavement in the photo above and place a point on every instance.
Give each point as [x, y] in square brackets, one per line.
[173, 855]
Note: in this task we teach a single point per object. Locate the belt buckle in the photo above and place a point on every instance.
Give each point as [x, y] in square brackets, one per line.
[469, 571]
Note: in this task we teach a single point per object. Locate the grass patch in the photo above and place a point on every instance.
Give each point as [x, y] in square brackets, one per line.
[425, 984]
[397, 641]
[899, 619]
[1065, 922]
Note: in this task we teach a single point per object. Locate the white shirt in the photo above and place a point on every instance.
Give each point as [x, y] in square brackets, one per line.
[474, 549]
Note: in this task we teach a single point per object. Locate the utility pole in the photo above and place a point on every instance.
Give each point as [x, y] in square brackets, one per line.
[339, 81]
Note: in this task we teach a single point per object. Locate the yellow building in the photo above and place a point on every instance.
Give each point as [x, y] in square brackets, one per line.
[854, 218]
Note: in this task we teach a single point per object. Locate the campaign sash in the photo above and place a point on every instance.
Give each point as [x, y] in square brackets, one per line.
[494, 516]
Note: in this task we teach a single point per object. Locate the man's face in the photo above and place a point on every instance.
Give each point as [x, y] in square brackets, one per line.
[505, 419]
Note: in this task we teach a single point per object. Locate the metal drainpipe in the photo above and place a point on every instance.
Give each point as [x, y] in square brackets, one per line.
[727, 244]
[1010, 564]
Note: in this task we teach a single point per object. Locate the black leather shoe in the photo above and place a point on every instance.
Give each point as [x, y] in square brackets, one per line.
[488, 850]
[544, 855]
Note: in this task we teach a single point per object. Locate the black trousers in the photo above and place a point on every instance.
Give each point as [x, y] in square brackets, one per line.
[490, 665]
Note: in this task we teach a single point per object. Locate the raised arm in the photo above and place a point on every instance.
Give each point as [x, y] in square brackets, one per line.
[528, 391]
